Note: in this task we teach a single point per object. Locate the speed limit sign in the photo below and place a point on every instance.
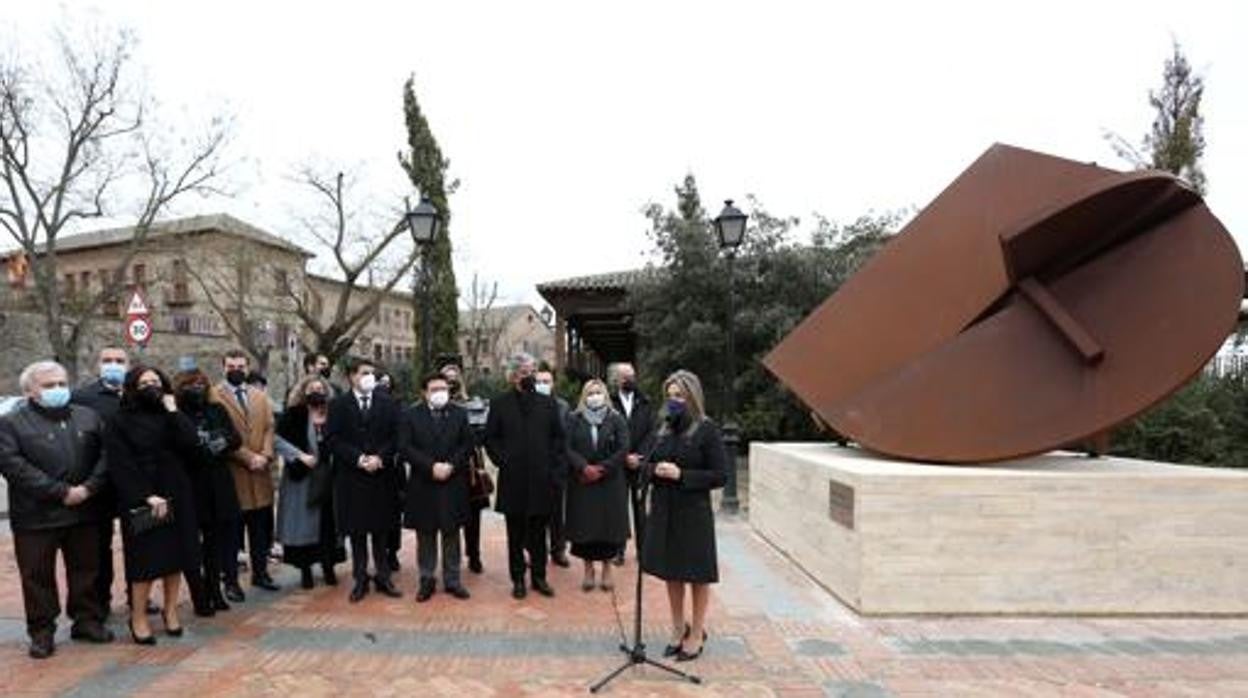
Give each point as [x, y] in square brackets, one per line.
[138, 330]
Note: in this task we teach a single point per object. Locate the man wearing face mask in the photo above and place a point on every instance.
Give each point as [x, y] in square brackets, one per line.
[525, 440]
[104, 396]
[435, 440]
[52, 455]
[361, 436]
[252, 416]
[629, 401]
[544, 384]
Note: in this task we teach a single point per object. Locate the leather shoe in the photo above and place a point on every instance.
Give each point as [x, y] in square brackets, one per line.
[560, 559]
[359, 591]
[459, 592]
[385, 586]
[42, 647]
[264, 581]
[475, 567]
[426, 591]
[91, 632]
[330, 577]
[543, 588]
[518, 591]
[305, 578]
[234, 592]
[218, 603]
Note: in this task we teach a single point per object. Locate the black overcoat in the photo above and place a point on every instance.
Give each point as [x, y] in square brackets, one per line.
[425, 439]
[597, 512]
[210, 475]
[680, 530]
[150, 451]
[366, 502]
[524, 439]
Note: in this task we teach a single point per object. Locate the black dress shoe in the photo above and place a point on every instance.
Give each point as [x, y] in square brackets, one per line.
[234, 592]
[42, 647]
[683, 656]
[560, 559]
[149, 640]
[218, 603]
[673, 650]
[264, 581]
[359, 590]
[518, 591]
[330, 577]
[305, 578]
[385, 586]
[459, 592]
[393, 560]
[205, 610]
[91, 632]
[171, 632]
[543, 588]
[475, 567]
[426, 591]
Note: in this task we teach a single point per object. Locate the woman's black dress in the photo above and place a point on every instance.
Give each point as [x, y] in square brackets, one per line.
[148, 451]
[597, 513]
[680, 529]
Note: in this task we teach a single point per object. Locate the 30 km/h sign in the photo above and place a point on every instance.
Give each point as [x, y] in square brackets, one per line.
[138, 321]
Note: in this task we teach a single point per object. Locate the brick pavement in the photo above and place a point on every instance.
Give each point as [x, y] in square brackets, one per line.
[773, 633]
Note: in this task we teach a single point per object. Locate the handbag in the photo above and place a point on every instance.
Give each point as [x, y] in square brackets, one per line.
[143, 519]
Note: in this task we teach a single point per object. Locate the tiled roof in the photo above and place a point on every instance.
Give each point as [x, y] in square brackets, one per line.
[222, 222]
[610, 281]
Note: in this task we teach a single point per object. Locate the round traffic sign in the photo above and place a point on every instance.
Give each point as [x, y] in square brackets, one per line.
[138, 330]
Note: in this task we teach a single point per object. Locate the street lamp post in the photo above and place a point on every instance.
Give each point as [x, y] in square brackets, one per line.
[730, 232]
[423, 222]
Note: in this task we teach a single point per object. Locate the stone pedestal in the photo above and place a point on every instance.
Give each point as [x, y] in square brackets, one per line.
[1054, 534]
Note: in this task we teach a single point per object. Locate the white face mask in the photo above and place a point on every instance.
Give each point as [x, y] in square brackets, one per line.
[439, 398]
[595, 401]
[543, 388]
[367, 383]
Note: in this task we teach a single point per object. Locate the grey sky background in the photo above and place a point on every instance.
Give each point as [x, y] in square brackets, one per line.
[563, 119]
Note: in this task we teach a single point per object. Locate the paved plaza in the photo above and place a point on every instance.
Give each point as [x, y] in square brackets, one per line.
[773, 632]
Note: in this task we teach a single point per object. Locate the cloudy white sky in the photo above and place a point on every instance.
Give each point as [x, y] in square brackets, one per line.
[562, 119]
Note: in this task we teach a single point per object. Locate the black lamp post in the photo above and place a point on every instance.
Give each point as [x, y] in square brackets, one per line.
[730, 232]
[423, 222]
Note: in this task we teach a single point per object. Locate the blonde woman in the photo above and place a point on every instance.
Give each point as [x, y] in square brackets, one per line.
[305, 511]
[597, 495]
[688, 461]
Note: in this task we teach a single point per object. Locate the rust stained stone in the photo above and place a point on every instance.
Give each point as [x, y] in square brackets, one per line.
[1036, 302]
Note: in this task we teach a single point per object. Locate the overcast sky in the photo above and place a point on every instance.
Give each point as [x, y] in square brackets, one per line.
[562, 119]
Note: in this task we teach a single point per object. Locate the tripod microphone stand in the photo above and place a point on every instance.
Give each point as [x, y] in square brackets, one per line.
[636, 654]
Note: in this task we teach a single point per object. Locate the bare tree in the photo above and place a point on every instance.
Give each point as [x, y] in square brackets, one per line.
[485, 327]
[76, 144]
[369, 256]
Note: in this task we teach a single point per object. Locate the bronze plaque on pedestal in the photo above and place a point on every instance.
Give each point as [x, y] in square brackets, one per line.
[841, 503]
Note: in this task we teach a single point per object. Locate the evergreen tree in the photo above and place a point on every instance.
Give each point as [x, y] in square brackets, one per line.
[426, 167]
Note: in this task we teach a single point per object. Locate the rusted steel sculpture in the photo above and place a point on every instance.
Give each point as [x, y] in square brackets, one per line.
[1034, 303]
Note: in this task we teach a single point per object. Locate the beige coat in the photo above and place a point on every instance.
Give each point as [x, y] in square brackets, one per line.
[255, 426]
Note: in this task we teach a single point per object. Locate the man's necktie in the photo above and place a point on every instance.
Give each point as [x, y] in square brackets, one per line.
[241, 394]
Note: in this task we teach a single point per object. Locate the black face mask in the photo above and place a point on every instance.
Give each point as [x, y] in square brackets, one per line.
[627, 386]
[528, 384]
[326, 371]
[316, 399]
[193, 397]
[235, 377]
[151, 396]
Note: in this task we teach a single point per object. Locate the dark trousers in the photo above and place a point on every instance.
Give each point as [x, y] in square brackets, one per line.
[472, 535]
[104, 554]
[231, 544]
[359, 556]
[526, 534]
[36, 564]
[215, 544]
[394, 540]
[427, 549]
[558, 536]
[259, 525]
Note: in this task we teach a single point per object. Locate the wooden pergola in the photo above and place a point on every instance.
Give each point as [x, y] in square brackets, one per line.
[594, 325]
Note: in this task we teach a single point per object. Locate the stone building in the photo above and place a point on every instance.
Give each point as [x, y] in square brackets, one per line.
[488, 337]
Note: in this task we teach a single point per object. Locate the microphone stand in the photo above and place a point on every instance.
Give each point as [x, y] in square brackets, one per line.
[636, 654]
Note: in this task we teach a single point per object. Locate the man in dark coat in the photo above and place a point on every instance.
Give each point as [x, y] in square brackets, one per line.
[362, 439]
[435, 440]
[103, 394]
[639, 413]
[524, 439]
[52, 455]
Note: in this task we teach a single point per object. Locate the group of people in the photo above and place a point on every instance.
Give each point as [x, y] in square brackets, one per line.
[192, 468]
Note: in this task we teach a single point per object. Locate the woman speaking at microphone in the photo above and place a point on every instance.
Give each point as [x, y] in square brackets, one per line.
[688, 461]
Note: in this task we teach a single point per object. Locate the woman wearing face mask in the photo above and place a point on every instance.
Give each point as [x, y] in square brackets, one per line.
[216, 502]
[687, 462]
[149, 442]
[597, 501]
[305, 519]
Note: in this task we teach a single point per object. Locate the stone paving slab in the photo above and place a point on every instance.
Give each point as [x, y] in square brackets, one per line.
[773, 633]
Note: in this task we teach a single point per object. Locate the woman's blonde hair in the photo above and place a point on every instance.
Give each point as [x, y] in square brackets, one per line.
[593, 383]
[298, 393]
[695, 403]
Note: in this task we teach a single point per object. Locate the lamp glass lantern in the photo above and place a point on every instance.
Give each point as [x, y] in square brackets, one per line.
[730, 226]
[423, 222]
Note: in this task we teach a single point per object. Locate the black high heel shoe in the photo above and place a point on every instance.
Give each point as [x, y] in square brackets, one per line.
[673, 650]
[683, 656]
[149, 640]
[171, 632]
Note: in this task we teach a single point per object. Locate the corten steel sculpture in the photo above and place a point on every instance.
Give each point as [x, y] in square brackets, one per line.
[1035, 303]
